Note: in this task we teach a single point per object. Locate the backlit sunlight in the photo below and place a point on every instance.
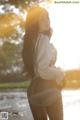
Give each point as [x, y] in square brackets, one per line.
[65, 21]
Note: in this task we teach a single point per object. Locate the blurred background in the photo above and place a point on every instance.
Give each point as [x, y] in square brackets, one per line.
[65, 22]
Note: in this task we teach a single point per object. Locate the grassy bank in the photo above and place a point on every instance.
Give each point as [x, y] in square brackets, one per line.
[14, 85]
[25, 84]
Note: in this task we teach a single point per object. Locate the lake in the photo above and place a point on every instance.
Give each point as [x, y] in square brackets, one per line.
[16, 103]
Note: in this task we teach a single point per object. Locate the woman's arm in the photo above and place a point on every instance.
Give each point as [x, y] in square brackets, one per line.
[54, 55]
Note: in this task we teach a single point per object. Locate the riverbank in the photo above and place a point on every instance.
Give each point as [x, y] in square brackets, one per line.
[14, 85]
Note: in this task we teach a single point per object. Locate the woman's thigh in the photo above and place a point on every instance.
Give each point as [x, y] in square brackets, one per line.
[39, 113]
[55, 110]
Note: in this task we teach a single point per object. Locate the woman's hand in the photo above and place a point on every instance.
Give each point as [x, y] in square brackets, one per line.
[59, 76]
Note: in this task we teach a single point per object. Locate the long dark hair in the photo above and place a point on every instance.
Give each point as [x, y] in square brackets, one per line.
[31, 34]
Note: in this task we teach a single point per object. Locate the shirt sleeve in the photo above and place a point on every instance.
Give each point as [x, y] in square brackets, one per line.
[44, 55]
[54, 55]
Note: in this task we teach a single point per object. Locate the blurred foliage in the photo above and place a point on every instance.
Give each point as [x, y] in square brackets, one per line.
[8, 23]
[13, 13]
[72, 79]
[73, 74]
[10, 59]
[19, 2]
[12, 28]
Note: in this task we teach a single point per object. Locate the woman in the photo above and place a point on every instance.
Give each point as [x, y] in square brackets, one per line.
[39, 57]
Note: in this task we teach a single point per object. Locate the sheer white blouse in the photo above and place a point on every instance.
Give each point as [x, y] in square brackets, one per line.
[46, 56]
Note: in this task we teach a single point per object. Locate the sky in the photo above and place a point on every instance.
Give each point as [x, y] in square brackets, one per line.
[65, 22]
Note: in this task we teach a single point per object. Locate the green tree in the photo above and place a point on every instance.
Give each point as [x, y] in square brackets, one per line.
[11, 63]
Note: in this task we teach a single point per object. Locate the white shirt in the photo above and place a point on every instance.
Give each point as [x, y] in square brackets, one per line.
[45, 52]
